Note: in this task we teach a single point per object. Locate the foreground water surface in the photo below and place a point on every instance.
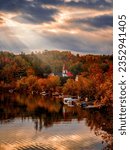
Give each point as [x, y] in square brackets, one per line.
[43, 123]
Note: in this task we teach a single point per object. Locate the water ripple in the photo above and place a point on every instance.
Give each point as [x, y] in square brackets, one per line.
[63, 136]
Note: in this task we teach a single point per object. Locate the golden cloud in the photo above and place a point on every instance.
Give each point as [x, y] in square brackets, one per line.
[2, 21]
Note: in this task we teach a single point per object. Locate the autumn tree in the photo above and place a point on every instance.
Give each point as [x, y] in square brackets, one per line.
[70, 87]
[104, 93]
[28, 84]
[76, 68]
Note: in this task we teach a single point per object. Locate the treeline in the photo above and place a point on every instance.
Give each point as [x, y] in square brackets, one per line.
[92, 74]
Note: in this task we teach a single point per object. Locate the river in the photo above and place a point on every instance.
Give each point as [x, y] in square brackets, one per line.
[43, 123]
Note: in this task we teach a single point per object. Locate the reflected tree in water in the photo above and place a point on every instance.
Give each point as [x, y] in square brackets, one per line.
[46, 111]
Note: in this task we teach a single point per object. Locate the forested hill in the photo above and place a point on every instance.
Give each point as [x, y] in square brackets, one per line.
[49, 61]
[31, 73]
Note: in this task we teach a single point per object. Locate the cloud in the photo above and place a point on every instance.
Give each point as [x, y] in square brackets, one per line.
[10, 42]
[93, 4]
[2, 21]
[28, 11]
[36, 11]
[34, 17]
[102, 21]
[109, 1]
[53, 2]
[78, 25]
[97, 42]
[85, 42]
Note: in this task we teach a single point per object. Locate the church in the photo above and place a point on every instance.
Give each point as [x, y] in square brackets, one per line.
[65, 72]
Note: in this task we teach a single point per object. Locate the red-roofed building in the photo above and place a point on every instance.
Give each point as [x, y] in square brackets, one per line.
[65, 72]
[69, 74]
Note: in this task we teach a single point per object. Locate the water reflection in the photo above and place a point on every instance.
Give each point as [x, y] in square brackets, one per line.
[46, 124]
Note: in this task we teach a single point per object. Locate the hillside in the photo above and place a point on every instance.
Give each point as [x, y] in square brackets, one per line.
[92, 74]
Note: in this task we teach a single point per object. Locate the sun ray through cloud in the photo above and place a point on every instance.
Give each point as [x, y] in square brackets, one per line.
[57, 24]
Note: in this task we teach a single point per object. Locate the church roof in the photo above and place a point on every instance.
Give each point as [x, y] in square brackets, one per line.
[69, 74]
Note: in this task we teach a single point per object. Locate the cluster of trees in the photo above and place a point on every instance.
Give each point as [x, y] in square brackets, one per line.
[31, 72]
[35, 84]
[97, 86]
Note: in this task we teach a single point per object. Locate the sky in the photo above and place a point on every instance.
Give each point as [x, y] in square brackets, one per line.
[82, 26]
